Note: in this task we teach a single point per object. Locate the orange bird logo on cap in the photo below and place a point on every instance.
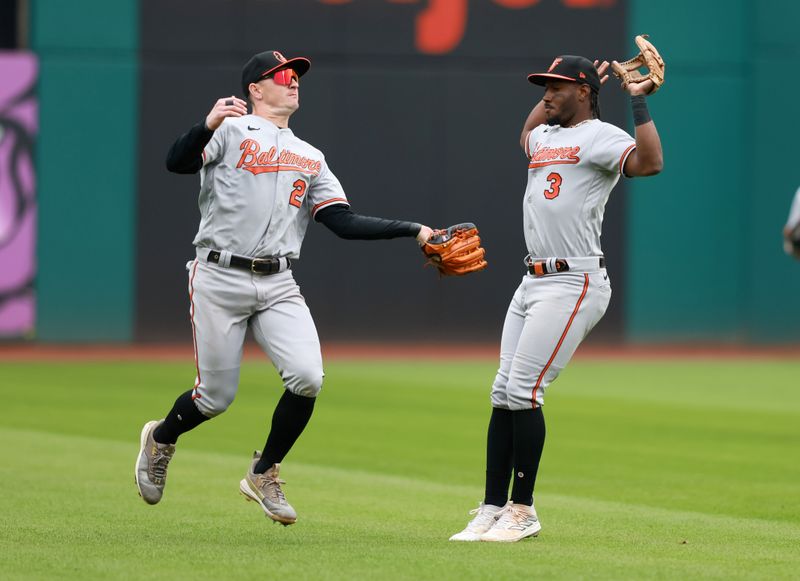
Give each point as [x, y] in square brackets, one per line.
[278, 56]
[556, 62]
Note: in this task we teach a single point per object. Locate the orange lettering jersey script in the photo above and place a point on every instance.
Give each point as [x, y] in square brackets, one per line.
[571, 172]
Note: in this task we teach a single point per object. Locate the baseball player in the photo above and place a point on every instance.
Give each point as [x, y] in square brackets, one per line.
[574, 161]
[259, 187]
[791, 231]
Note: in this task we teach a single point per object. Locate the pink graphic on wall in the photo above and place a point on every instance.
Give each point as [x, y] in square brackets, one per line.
[19, 120]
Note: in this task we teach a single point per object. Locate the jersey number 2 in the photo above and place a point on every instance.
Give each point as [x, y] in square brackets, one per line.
[555, 186]
[296, 197]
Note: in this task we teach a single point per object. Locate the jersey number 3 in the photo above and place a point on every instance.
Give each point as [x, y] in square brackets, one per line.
[555, 186]
[296, 197]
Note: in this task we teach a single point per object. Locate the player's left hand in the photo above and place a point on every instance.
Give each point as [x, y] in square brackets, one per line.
[643, 87]
[424, 234]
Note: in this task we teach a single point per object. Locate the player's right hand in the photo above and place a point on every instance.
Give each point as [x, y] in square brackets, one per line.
[601, 70]
[225, 107]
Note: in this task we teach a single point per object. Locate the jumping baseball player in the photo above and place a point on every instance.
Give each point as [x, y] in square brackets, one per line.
[574, 161]
[260, 185]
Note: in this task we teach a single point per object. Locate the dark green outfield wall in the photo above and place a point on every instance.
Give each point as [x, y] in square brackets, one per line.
[86, 164]
[705, 253]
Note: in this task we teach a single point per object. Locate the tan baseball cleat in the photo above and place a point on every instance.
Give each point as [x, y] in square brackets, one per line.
[151, 464]
[265, 489]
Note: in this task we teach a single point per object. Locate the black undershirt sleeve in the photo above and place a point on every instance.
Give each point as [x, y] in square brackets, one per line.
[345, 223]
[186, 154]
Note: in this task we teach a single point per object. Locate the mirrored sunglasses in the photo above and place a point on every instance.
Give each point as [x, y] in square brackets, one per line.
[284, 77]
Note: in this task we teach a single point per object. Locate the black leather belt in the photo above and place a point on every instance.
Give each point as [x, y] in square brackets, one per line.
[265, 266]
[542, 267]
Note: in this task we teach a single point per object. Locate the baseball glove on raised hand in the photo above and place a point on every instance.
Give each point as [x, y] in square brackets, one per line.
[648, 57]
[455, 250]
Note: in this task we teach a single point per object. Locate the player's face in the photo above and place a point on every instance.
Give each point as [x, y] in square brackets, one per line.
[560, 101]
[280, 96]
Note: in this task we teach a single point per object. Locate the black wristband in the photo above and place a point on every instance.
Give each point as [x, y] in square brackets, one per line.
[640, 113]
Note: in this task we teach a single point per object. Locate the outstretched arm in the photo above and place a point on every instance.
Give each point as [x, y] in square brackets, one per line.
[345, 223]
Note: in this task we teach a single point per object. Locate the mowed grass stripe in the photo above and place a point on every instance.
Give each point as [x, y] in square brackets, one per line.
[90, 522]
[389, 467]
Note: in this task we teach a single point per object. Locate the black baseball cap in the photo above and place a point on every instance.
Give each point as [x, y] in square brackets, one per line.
[267, 62]
[569, 68]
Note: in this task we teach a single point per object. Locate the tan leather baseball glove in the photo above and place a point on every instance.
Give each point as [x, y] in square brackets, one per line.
[455, 250]
[648, 57]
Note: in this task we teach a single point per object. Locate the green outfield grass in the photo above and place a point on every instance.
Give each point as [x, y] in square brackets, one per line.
[652, 470]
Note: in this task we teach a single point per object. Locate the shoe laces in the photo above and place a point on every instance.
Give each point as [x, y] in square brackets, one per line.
[482, 516]
[512, 514]
[271, 486]
[159, 461]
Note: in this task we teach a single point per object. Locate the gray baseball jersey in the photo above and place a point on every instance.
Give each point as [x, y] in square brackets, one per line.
[259, 187]
[571, 172]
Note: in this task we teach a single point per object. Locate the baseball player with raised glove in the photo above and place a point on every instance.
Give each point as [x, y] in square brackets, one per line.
[574, 160]
[260, 187]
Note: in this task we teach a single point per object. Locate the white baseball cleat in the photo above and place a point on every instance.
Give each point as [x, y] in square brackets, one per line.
[485, 517]
[515, 522]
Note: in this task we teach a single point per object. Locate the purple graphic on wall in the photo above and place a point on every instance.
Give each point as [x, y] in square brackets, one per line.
[19, 121]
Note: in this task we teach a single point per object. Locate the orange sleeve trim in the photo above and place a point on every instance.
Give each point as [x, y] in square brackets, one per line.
[561, 340]
[195, 395]
[327, 202]
[624, 157]
[528, 143]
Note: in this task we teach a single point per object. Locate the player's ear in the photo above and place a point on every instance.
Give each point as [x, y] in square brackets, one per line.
[583, 92]
[255, 93]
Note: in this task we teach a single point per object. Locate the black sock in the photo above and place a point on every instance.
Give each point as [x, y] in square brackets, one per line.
[529, 435]
[499, 449]
[183, 416]
[288, 422]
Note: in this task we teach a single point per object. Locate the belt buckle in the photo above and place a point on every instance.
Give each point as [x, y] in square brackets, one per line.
[257, 261]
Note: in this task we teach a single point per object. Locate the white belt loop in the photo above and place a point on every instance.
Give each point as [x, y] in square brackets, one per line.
[225, 258]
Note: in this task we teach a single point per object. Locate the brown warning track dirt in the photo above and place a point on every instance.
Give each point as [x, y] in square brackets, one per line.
[10, 352]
